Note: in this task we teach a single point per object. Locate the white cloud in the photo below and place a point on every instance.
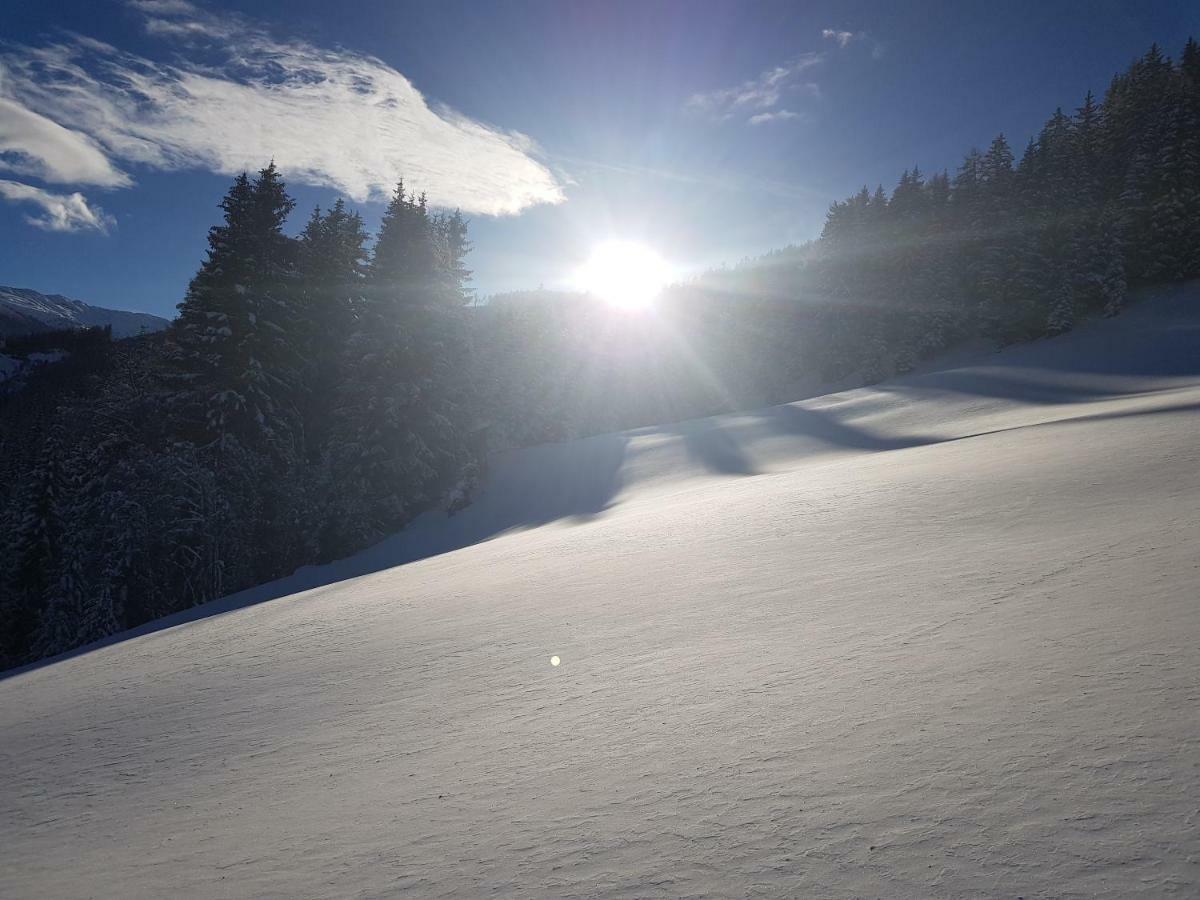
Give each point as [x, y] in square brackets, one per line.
[327, 117]
[779, 115]
[181, 19]
[32, 145]
[842, 38]
[165, 7]
[60, 212]
[758, 94]
[161, 27]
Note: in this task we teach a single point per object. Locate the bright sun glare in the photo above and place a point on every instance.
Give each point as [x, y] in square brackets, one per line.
[626, 274]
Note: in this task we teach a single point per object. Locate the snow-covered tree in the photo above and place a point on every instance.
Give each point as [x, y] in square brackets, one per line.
[234, 340]
[398, 440]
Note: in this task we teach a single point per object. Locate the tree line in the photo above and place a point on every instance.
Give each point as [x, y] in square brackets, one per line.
[310, 398]
[318, 392]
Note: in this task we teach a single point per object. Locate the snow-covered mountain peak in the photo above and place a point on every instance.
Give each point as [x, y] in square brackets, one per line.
[25, 311]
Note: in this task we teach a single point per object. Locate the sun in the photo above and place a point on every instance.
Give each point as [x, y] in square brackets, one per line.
[625, 274]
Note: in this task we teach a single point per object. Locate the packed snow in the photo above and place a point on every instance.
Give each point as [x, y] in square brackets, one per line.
[939, 637]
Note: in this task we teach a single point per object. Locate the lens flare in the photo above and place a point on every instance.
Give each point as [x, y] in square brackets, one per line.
[625, 274]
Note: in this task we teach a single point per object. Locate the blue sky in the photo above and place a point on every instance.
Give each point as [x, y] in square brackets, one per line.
[710, 131]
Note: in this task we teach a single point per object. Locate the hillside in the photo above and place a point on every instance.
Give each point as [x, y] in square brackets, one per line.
[23, 311]
[934, 638]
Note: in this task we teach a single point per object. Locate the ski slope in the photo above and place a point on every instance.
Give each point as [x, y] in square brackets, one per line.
[935, 638]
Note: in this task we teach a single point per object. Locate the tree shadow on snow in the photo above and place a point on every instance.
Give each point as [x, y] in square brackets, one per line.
[1022, 386]
[826, 427]
[716, 447]
[713, 447]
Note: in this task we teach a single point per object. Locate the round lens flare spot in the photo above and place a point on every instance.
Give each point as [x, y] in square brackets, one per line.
[625, 274]
[554, 660]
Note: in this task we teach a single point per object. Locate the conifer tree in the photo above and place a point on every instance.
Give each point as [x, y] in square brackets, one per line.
[1088, 133]
[33, 547]
[399, 436]
[235, 358]
[332, 268]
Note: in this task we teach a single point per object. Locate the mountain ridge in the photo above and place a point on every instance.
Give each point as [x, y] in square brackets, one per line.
[25, 311]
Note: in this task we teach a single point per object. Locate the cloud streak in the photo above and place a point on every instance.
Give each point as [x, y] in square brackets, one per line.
[754, 98]
[758, 101]
[779, 115]
[845, 38]
[333, 118]
[60, 212]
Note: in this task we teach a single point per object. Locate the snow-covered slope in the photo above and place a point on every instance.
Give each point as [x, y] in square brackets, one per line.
[23, 311]
[935, 638]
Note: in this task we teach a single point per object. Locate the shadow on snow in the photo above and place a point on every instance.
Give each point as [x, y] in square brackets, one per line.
[579, 481]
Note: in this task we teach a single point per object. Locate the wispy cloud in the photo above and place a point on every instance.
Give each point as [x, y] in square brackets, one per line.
[845, 38]
[778, 115]
[759, 95]
[164, 7]
[233, 97]
[59, 212]
[179, 18]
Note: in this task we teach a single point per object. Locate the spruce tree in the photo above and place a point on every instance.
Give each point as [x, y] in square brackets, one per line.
[235, 356]
[332, 263]
[399, 441]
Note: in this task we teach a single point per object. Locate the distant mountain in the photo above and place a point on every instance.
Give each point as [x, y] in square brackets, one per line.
[23, 311]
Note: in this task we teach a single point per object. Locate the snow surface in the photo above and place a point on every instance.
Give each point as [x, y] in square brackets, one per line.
[935, 638]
